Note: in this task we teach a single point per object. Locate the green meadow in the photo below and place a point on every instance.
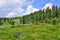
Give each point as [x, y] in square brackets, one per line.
[40, 25]
[31, 32]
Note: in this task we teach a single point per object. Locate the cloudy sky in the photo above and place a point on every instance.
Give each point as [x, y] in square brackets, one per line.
[12, 8]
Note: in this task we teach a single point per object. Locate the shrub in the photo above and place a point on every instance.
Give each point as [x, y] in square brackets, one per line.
[1, 22]
[54, 21]
[12, 22]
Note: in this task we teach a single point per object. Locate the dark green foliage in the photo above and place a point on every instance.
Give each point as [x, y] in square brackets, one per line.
[1, 22]
[43, 17]
[12, 22]
[23, 20]
[54, 21]
[5, 19]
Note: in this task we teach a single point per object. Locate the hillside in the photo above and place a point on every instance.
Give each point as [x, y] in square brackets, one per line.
[40, 25]
[43, 16]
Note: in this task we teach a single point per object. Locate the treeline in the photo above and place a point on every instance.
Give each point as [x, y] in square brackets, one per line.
[48, 16]
[43, 16]
[6, 21]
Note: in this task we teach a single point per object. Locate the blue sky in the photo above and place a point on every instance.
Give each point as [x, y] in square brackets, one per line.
[12, 8]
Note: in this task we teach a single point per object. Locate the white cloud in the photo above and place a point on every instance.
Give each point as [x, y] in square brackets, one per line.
[48, 5]
[2, 2]
[19, 10]
[31, 9]
[15, 2]
[16, 7]
[10, 14]
[12, 2]
[15, 12]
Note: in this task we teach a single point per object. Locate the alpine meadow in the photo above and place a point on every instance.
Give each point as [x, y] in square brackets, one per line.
[37, 24]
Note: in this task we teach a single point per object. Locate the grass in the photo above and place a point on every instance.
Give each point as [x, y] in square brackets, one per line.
[32, 32]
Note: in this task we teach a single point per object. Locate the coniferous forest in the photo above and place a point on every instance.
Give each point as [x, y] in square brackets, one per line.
[40, 25]
[47, 16]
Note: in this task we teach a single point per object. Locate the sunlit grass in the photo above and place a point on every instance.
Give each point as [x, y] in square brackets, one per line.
[33, 32]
